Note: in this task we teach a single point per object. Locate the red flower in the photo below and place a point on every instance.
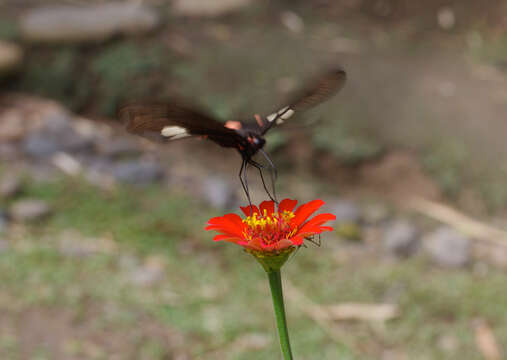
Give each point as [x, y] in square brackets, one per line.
[265, 229]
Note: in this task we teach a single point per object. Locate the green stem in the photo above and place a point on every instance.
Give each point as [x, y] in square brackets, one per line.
[275, 283]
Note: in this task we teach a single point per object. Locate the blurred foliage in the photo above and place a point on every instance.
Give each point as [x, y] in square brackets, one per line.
[123, 70]
[493, 188]
[116, 71]
[348, 231]
[8, 29]
[446, 162]
[57, 75]
[275, 140]
[489, 49]
[347, 145]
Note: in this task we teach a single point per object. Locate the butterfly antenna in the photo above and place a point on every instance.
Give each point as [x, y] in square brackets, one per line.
[273, 172]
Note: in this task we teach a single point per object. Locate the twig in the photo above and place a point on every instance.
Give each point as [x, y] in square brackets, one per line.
[486, 341]
[316, 313]
[468, 226]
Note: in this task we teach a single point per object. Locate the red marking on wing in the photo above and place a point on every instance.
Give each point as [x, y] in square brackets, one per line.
[259, 120]
[234, 125]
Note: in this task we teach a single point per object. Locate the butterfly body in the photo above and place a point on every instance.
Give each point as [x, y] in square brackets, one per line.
[176, 119]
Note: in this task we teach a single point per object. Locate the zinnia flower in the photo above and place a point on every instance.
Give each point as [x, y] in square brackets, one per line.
[265, 230]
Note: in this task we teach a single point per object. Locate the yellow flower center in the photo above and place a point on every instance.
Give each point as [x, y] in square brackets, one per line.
[269, 229]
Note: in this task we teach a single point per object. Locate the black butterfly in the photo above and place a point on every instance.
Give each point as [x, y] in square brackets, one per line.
[175, 119]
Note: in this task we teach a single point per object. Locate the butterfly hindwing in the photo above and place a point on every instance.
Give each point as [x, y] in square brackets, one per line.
[321, 90]
[165, 121]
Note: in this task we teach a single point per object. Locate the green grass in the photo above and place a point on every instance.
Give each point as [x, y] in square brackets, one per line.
[446, 161]
[214, 294]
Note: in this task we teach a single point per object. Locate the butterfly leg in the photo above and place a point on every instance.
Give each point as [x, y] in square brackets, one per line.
[273, 172]
[260, 167]
[313, 241]
[243, 180]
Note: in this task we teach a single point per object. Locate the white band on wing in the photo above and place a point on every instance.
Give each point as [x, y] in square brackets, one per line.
[174, 132]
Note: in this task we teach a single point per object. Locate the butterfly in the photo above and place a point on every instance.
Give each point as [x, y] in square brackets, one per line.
[165, 121]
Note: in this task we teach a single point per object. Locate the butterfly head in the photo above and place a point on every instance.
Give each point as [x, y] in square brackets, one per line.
[251, 143]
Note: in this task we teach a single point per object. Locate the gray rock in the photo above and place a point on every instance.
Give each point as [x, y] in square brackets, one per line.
[56, 136]
[219, 193]
[27, 210]
[447, 247]
[148, 274]
[345, 211]
[10, 185]
[375, 214]
[11, 56]
[8, 152]
[90, 23]
[120, 148]
[401, 238]
[138, 172]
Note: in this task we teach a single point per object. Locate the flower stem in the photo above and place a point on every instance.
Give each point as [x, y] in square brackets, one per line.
[275, 283]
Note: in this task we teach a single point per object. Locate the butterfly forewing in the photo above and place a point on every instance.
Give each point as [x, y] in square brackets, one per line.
[323, 88]
[173, 120]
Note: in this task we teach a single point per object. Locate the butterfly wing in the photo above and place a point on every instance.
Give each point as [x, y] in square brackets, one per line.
[323, 88]
[165, 121]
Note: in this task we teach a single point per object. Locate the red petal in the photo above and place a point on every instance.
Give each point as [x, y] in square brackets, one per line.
[268, 206]
[305, 210]
[234, 218]
[313, 230]
[229, 223]
[319, 220]
[298, 240]
[326, 228]
[312, 226]
[287, 204]
[224, 237]
[247, 210]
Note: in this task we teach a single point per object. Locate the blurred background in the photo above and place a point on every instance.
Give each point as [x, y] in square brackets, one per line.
[102, 249]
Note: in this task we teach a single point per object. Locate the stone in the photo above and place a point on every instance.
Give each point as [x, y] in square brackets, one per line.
[11, 57]
[74, 244]
[27, 210]
[345, 211]
[375, 214]
[447, 247]
[348, 219]
[10, 185]
[11, 126]
[150, 273]
[90, 23]
[219, 193]
[401, 238]
[138, 172]
[57, 135]
[119, 148]
[292, 21]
